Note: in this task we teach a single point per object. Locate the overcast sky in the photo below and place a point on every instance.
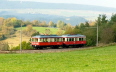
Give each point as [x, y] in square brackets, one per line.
[106, 3]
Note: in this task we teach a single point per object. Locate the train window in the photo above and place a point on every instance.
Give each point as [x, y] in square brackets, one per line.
[79, 39]
[36, 40]
[60, 39]
[72, 39]
[63, 39]
[41, 40]
[45, 40]
[57, 39]
[48, 39]
[67, 39]
[76, 39]
[32, 39]
[52, 39]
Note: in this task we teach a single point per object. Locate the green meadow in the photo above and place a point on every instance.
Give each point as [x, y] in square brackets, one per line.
[102, 59]
[42, 29]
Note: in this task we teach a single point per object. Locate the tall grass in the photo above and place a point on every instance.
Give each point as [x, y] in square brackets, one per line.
[94, 60]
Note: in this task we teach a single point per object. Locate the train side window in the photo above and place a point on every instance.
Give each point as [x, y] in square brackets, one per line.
[79, 39]
[52, 39]
[82, 39]
[46, 40]
[76, 39]
[60, 39]
[72, 39]
[67, 39]
[41, 40]
[57, 39]
[63, 39]
[36, 40]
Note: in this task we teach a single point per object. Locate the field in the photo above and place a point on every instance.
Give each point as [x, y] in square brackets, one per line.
[90, 60]
[42, 29]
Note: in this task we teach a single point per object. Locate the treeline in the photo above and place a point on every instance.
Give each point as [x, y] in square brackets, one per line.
[106, 30]
[7, 26]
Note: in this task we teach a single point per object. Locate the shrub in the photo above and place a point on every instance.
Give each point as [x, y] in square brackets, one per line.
[25, 45]
[4, 46]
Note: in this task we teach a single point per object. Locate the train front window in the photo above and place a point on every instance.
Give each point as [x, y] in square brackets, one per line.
[32, 39]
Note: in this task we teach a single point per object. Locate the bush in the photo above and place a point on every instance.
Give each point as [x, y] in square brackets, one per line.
[25, 45]
[4, 46]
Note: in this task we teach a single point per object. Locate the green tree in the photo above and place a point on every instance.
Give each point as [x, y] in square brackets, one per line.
[60, 24]
[86, 24]
[36, 33]
[107, 35]
[25, 45]
[51, 24]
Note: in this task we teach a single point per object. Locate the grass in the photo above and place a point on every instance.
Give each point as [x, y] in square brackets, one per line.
[93, 60]
[42, 29]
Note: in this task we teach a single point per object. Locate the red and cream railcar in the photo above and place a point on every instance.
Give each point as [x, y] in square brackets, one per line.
[41, 41]
[74, 40]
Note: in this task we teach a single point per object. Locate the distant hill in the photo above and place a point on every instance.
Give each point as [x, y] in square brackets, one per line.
[74, 20]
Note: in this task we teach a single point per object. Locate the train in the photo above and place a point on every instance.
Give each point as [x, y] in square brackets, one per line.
[55, 41]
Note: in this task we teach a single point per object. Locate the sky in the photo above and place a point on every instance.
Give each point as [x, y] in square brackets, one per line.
[106, 3]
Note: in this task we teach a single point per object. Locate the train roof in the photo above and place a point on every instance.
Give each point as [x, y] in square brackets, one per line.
[56, 36]
[76, 35]
[46, 36]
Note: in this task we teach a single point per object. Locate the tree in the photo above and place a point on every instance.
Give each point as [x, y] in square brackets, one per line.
[60, 32]
[113, 18]
[35, 22]
[51, 24]
[86, 24]
[82, 26]
[90, 34]
[36, 33]
[29, 30]
[60, 24]
[107, 35]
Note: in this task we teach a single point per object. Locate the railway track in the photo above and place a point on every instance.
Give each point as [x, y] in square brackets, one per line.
[49, 50]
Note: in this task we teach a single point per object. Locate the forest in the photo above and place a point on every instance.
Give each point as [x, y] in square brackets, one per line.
[106, 28]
